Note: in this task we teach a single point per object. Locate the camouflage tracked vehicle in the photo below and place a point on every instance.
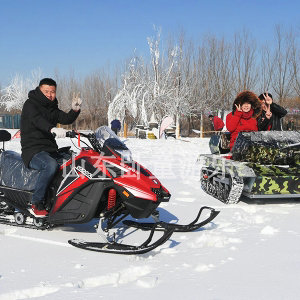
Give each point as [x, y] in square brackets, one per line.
[262, 164]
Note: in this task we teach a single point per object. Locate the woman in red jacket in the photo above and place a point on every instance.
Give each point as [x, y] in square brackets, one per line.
[245, 110]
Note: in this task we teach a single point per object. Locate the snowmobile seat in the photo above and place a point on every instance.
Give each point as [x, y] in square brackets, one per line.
[5, 136]
[14, 174]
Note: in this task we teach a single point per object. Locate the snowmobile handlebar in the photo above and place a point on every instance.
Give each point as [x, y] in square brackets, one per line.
[90, 136]
[73, 134]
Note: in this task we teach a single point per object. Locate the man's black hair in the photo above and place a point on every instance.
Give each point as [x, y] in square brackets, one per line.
[210, 116]
[47, 81]
[261, 96]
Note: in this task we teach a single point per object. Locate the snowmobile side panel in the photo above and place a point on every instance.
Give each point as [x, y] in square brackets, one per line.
[81, 207]
[14, 197]
[140, 208]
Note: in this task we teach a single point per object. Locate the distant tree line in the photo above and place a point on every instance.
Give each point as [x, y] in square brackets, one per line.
[182, 78]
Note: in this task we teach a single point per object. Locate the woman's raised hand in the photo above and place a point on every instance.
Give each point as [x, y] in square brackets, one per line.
[238, 107]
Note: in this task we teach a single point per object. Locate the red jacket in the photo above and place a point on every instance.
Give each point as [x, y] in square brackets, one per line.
[240, 122]
[218, 123]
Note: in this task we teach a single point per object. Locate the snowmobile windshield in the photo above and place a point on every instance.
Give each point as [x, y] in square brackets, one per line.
[108, 139]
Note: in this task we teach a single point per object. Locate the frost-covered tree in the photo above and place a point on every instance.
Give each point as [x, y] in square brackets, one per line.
[15, 94]
[283, 70]
[244, 63]
[161, 88]
[131, 99]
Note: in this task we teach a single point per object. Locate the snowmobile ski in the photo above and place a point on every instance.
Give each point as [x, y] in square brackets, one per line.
[117, 248]
[176, 227]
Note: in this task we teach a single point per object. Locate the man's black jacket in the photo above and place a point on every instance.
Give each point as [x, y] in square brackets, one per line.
[39, 115]
[275, 121]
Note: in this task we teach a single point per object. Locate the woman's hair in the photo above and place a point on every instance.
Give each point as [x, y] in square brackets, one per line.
[248, 97]
[261, 96]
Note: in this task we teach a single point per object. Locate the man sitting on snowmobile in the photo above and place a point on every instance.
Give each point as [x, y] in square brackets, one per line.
[245, 110]
[39, 118]
[271, 111]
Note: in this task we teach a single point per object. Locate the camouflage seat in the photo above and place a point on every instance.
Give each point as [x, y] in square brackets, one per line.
[268, 147]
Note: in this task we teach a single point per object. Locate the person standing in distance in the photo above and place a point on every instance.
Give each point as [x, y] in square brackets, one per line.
[217, 122]
[39, 118]
[115, 126]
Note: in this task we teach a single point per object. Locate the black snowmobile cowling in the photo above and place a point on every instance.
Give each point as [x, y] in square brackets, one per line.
[263, 164]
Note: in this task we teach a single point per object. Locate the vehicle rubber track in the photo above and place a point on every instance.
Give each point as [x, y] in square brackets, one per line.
[227, 193]
[237, 186]
[6, 221]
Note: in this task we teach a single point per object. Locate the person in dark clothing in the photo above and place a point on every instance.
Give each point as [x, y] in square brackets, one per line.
[272, 113]
[115, 126]
[217, 122]
[39, 118]
[291, 125]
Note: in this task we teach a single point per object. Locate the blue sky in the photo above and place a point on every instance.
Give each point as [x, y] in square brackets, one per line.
[86, 35]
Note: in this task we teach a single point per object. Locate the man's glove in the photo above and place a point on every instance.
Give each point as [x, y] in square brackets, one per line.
[59, 132]
[76, 102]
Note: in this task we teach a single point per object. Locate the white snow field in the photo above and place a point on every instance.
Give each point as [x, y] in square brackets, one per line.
[251, 250]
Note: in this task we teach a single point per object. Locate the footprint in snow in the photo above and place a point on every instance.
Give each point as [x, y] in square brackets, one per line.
[147, 282]
[204, 267]
[269, 230]
[185, 199]
[184, 193]
[78, 266]
[7, 231]
[215, 241]
[34, 292]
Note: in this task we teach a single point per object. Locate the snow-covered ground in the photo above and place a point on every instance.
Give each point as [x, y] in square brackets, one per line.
[250, 250]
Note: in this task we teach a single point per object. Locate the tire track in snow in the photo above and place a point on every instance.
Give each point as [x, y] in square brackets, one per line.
[39, 240]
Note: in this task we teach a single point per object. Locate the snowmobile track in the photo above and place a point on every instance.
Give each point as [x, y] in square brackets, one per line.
[6, 221]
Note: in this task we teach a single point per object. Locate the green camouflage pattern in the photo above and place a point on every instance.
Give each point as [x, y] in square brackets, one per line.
[268, 147]
[268, 162]
[272, 156]
[272, 180]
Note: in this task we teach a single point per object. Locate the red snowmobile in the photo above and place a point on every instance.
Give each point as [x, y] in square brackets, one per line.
[101, 182]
